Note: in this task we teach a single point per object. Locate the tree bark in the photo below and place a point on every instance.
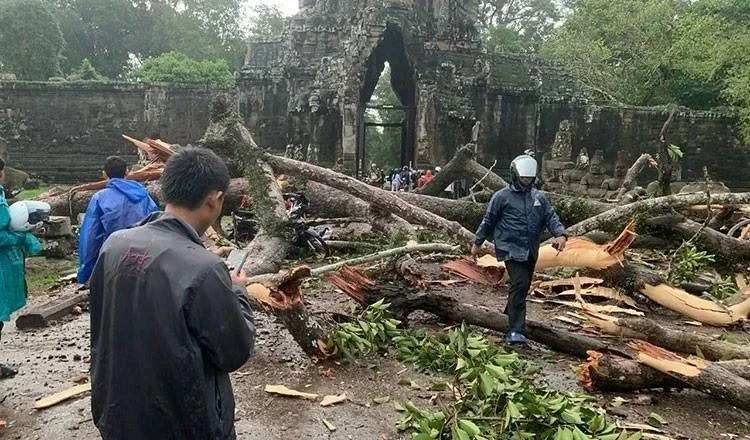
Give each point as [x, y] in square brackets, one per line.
[607, 372]
[628, 182]
[269, 248]
[378, 198]
[406, 300]
[463, 165]
[665, 160]
[674, 340]
[706, 237]
[705, 376]
[615, 217]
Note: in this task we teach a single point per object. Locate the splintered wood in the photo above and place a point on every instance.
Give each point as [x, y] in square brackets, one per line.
[469, 270]
[582, 253]
[280, 291]
[352, 282]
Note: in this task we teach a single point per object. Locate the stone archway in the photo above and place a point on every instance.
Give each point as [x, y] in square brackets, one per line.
[390, 49]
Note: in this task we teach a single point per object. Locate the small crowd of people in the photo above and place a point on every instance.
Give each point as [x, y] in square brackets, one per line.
[405, 179]
[169, 321]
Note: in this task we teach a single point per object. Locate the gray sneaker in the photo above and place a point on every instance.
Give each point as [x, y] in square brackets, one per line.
[515, 338]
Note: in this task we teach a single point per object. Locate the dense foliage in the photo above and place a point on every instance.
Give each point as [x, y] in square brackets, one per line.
[32, 42]
[494, 394]
[178, 67]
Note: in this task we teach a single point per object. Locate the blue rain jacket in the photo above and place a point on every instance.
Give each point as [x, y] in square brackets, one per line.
[14, 248]
[516, 218]
[120, 205]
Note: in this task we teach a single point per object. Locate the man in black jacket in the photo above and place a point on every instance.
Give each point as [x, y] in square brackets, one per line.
[168, 321]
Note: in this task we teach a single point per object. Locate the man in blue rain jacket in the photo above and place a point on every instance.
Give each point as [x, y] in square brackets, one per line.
[121, 204]
[14, 248]
[515, 218]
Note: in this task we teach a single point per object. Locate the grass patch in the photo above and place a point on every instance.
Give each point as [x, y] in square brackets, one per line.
[42, 274]
[31, 194]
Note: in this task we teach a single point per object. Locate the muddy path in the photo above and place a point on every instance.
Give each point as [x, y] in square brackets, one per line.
[50, 359]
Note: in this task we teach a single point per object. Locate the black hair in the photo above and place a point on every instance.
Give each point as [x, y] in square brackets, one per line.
[115, 167]
[190, 175]
[2, 165]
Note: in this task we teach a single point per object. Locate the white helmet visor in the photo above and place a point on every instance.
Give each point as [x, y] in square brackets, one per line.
[525, 166]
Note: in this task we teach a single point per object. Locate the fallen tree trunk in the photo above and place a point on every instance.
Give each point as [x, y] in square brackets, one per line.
[651, 284]
[621, 214]
[268, 250]
[405, 300]
[679, 341]
[463, 165]
[378, 198]
[704, 376]
[72, 204]
[607, 372]
[706, 237]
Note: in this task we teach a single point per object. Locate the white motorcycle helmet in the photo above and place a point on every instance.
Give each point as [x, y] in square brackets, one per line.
[523, 166]
[28, 215]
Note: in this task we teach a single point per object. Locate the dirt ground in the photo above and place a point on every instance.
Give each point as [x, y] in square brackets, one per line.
[48, 359]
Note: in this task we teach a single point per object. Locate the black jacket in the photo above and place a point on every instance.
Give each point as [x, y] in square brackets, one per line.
[167, 327]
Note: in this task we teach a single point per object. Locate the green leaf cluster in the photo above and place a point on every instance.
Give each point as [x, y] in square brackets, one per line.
[496, 395]
[687, 263]
[372, 331]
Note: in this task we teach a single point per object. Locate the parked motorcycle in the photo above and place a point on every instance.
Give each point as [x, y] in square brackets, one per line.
[245, 225]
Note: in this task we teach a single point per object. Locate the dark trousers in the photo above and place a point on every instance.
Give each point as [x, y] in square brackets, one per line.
[520, 274]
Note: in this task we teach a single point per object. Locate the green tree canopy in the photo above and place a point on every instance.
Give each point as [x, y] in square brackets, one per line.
[178, 67]
[517, 25]
[694, 53]
[85, 72]
[31, 39]
[112, 32]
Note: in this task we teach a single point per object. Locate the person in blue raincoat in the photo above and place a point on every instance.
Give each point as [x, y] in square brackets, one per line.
[121, 204]
[515, 218]
[14, 248]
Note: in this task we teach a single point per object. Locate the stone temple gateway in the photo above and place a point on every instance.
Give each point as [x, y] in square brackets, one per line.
[306, 93]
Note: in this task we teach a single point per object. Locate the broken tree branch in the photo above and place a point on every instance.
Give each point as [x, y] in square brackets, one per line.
[607, 372]
[674, 340]
[624, 213]
[463, 165]
[383, 200]
[628, 182]
[702, 375]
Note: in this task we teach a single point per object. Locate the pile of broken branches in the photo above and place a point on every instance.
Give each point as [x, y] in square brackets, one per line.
[640, 353]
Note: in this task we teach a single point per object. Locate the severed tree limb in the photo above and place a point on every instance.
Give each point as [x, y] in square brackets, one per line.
[376, 197]
[674, 340]
[665, 160]
[622, 214]
[608, 372]
[651, 284]
[706, 237]
[462, 165]
[268, 250]
[395, 252]
[705, 376]
[405, 300]
[628, 182]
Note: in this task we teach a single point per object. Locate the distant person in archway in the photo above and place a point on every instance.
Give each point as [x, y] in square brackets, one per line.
[120, 205]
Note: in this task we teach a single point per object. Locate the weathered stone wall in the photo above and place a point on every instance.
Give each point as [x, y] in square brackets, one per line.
[62, 132]
[516, 122]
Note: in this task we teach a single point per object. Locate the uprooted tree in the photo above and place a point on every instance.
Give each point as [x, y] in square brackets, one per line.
[333, 194]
